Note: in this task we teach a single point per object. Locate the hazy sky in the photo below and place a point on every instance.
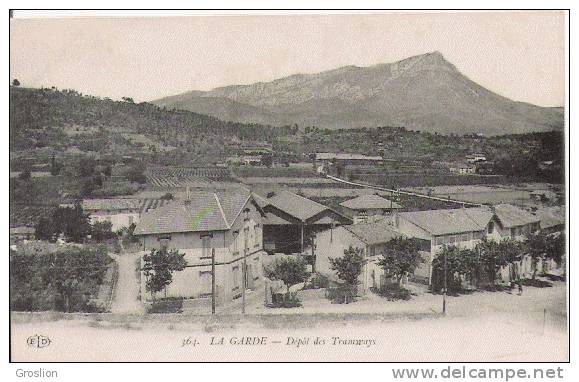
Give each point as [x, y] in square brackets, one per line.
[520, 55]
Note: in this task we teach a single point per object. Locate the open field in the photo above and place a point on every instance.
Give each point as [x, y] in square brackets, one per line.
[494, 194]
[294, 170]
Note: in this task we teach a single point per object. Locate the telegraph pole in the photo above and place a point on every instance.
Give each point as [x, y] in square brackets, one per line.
[213, 281]
[244, 282]
[445, 286]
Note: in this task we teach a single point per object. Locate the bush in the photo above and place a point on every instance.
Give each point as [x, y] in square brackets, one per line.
[166, 305]
[393, 292]
[342, 294]
[317, 281]
[285, 300]
[62, 278]
[102, 231]
[536, 283]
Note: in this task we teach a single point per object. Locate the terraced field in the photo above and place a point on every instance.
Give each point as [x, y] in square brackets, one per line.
[177, 177]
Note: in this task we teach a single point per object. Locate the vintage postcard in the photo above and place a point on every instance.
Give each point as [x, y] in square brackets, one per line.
[342, 186]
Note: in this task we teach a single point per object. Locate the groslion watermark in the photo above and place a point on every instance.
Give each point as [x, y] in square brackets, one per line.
[36, 373]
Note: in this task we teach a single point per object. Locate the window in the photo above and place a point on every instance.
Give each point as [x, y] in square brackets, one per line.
[464, 237]
[236, 277]
[205, 247]
[205, 280]
[235, 246]
[490, 227]
[256, 235]
[246, 239]
[164, 242]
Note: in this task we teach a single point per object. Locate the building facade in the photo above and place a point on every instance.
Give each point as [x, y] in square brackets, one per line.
[227, 225]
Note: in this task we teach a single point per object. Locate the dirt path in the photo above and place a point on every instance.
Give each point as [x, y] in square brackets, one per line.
[127, 291]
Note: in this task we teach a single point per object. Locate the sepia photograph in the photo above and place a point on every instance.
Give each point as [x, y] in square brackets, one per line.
[352, 186]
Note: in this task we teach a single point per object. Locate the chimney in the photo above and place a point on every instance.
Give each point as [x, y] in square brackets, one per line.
[188, 195]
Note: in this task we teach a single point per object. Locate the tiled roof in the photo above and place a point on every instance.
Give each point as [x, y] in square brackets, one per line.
[371, 201]
[111, 204]
[450, 221]
[373, 233]
[151, 204]
[121, 204]
[295, 205]
[511, 216]
[551, 216]
[203, 211]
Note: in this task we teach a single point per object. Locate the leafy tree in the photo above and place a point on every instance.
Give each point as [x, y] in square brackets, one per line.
[167, 196]
[15, 82]
[86, 167]
[25, 175]
[71, 222]
[461, 264]
[54, 166]
[48, 277]
[44, 230]
[136, 173]
[102, 231]
[88, 187]
[495, 255]
[289, 270]
[349, 267]
[159, 266]
[400, 257]
[536, 247]
[555, 248]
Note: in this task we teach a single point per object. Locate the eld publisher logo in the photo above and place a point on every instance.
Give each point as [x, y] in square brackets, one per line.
[38, 341]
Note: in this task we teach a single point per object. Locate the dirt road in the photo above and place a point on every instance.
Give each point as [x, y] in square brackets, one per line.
[127, 290]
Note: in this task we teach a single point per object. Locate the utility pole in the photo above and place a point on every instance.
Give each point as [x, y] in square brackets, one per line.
[213, 291]
[244, 281]
[445, 286]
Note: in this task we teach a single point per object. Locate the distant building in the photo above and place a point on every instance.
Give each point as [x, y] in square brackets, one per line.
[552, 219]
[347, 159]
[292, 220]
[465, 227]
[543, 195]
[474, 158]
[120, 212]
[511, 222]
[371, 238]
[21, 233]
[363, 206]
[227, 223]
[463, 169]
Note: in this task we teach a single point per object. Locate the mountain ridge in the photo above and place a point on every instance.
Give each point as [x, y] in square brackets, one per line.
[424, 92]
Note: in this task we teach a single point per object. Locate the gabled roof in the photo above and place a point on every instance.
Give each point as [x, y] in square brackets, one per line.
[511, 216]
[372, 201]
[296, 205]
[203, 211]
[450, 221]
[551, 216]
[373, 233]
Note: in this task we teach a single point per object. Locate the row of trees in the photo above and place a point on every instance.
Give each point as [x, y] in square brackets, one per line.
[480, 266]
[73, 224]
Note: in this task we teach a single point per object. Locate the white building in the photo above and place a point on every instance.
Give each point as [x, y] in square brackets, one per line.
[227, 224]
